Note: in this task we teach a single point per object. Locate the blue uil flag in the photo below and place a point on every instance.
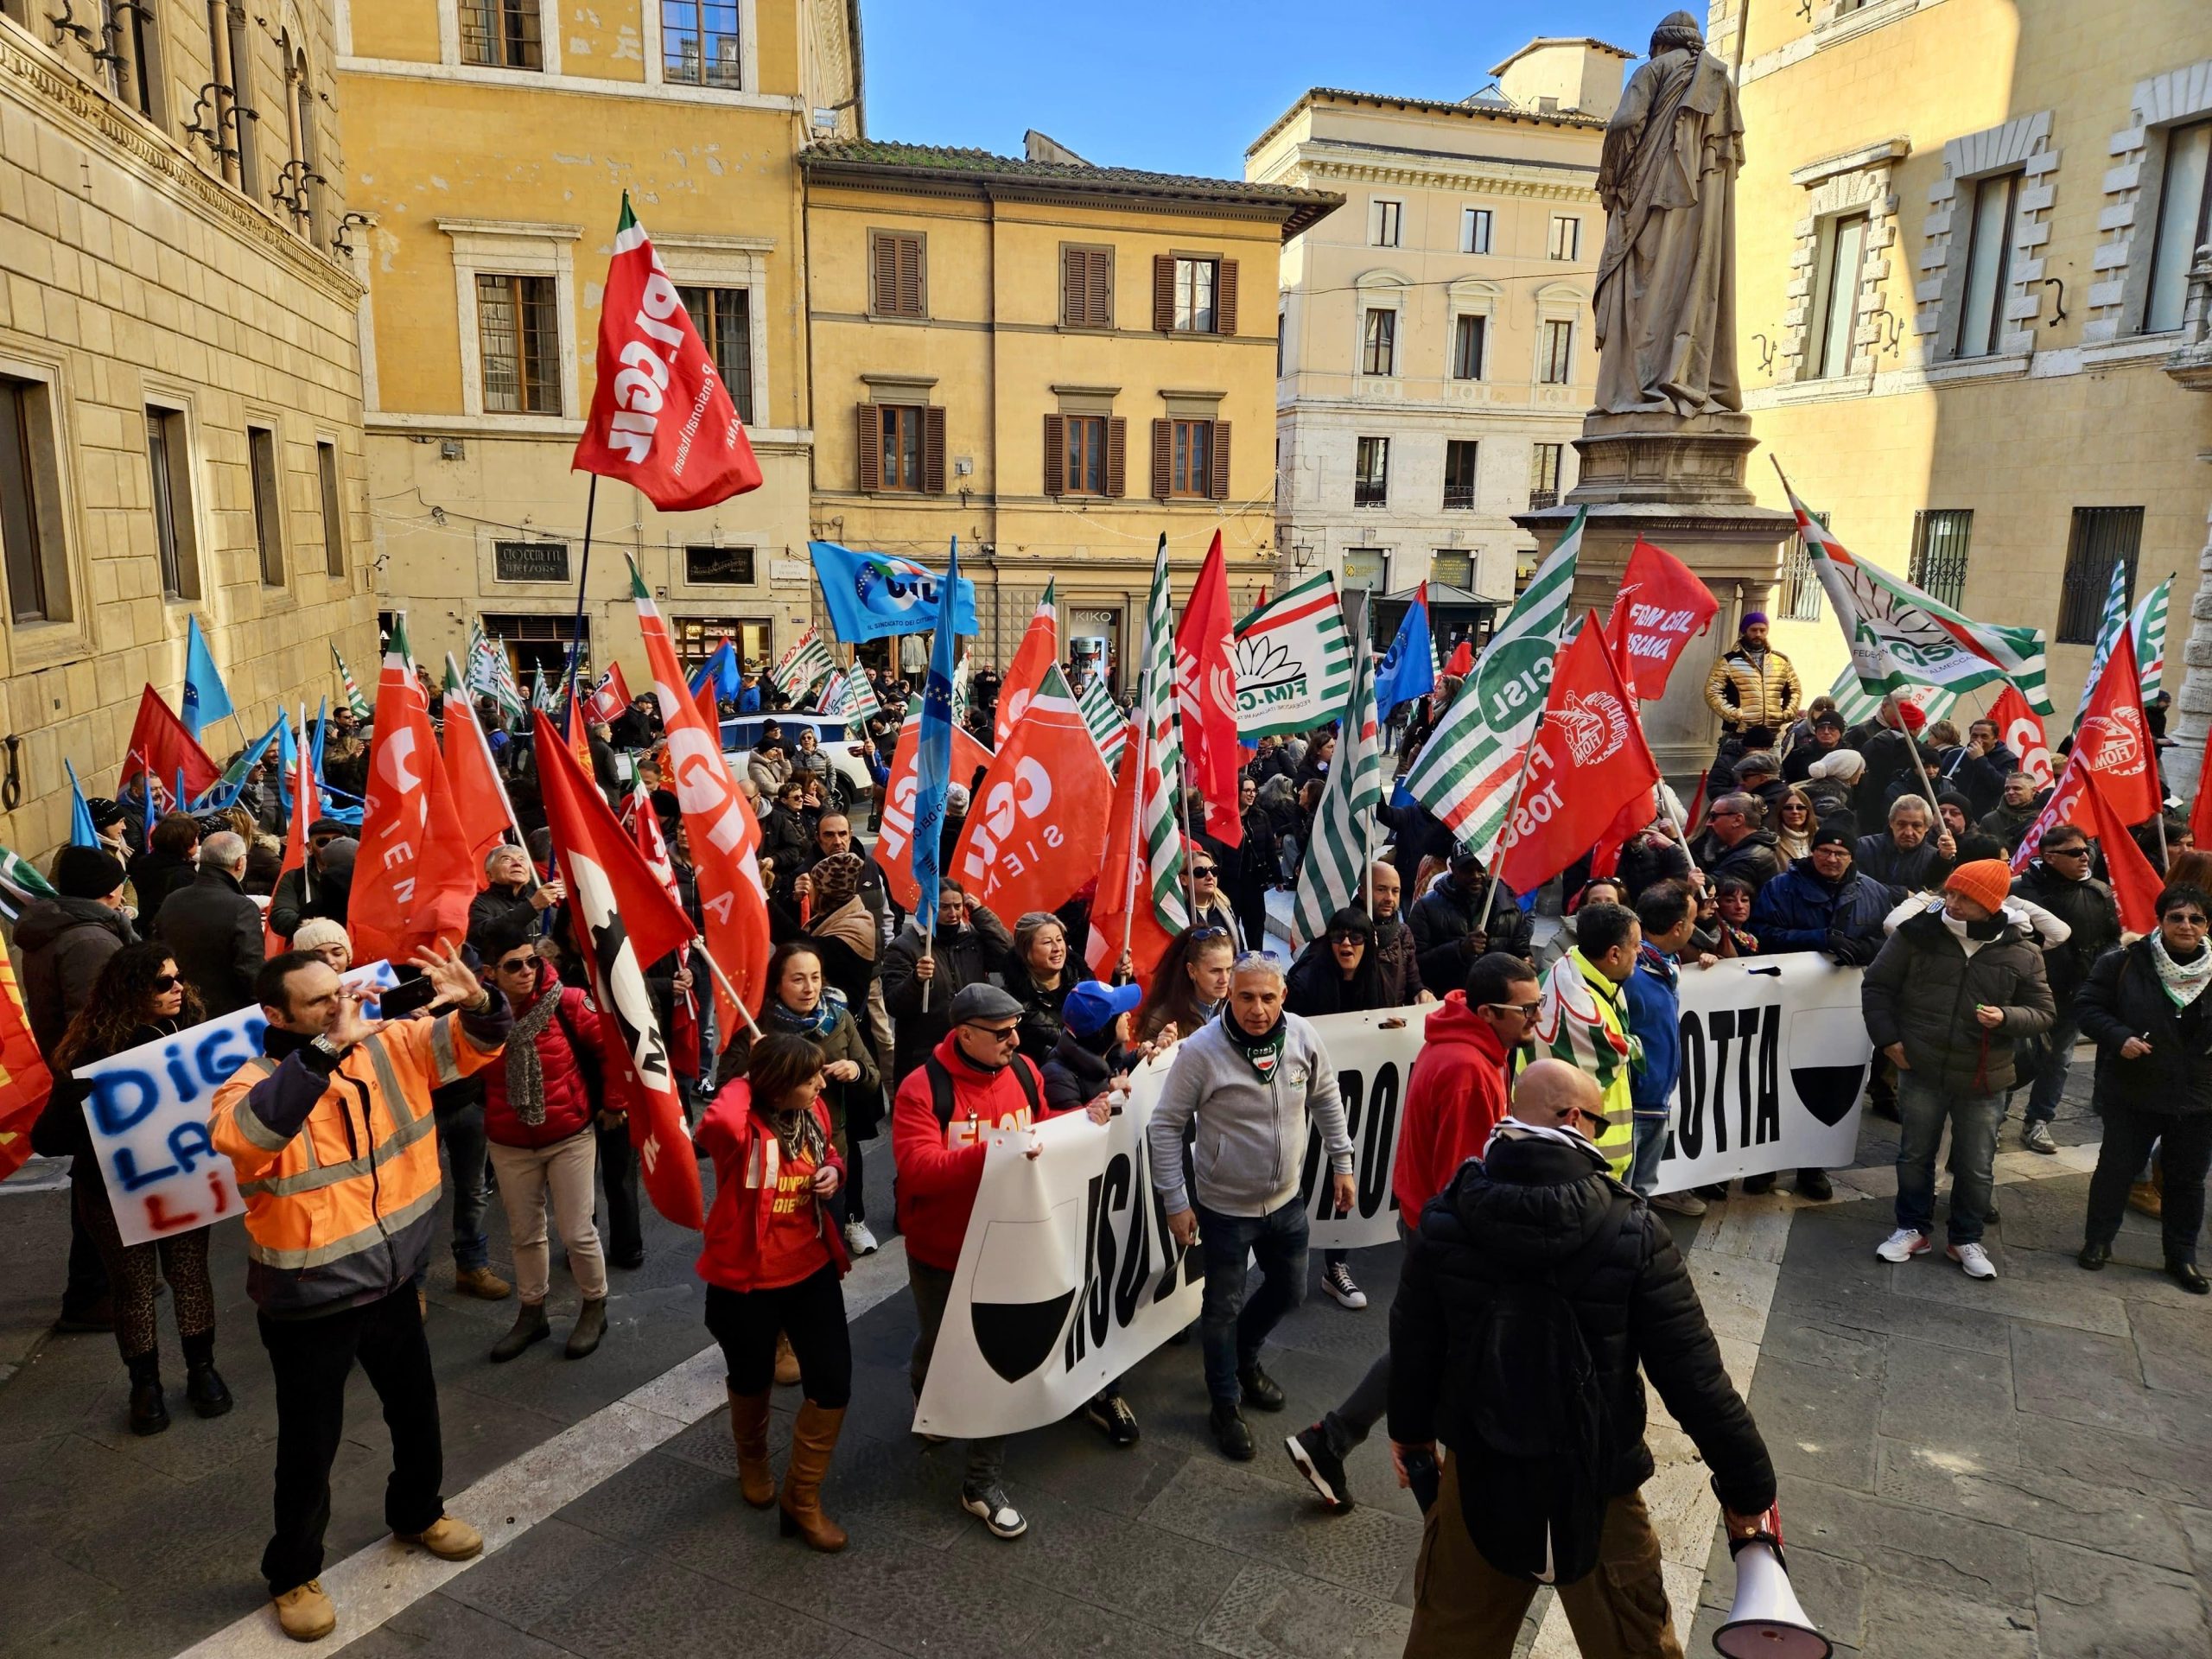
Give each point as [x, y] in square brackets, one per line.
[874, 595]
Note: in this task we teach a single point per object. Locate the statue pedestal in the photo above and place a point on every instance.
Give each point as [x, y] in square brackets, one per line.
[1679, 484]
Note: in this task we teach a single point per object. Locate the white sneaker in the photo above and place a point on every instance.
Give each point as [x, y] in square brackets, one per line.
[1973, 1260]
[1678, 1204]
[1903, 1245]
[858, 1240]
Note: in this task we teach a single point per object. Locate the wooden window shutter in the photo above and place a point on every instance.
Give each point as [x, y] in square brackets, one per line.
[1099, 287]
[1163, 458]
[1163, 297]
[1221, 461]
[1117, 446]
[871, 420]
[1224, 298]
[884, 274]
[911, 277]
[1056, 454]
[933, 449]
[1075, 267]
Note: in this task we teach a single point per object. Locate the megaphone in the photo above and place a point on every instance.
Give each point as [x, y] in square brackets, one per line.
[1766, 1621]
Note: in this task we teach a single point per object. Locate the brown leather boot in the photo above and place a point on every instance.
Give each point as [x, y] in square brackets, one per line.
[786, 1362]
[748, 1427]
[814, 1437]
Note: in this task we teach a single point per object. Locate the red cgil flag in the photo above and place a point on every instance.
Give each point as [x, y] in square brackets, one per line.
[1205, 695]
[660, 416]
[1039, 651]
[1462, 662]
[412, 882]
[306, 807]
[2020, 729]
[610, 696]
[725, 837]
[896, 829]
[25, 1082]
[2114, 738]
[479, 798]
[1590, 762]
[161, 749]
[1037, 828]
[2134, 883]
[1117, 925]
[1661, 607]
[623, 918]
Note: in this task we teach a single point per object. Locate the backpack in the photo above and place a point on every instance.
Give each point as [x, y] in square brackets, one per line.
[1538, 1434]
[941, 1089]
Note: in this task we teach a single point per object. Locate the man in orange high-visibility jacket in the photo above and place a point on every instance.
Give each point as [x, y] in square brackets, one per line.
[332, 1134]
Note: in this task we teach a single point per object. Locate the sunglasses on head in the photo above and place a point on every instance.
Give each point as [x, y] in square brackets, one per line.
[1199, 934]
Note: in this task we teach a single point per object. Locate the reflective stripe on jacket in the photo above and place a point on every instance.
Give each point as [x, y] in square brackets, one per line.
[337, 1163]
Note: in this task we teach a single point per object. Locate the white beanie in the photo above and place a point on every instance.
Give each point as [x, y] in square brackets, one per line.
[1847, 766]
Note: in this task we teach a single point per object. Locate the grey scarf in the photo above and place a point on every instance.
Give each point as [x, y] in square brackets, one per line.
[525, 1075]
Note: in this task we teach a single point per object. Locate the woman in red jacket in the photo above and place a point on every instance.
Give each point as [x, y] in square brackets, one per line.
[772, 1259]
[540, 1101]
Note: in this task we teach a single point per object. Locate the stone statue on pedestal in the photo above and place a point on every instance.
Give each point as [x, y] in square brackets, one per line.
[1666, 289]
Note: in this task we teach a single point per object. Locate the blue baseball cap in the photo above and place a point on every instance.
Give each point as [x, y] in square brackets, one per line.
[1092, 1006]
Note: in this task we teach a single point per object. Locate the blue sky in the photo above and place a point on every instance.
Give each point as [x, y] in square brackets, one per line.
[1182, 86]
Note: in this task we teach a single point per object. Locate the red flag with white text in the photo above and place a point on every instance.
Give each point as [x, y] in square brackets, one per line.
[2135, 883]
[2115, 736]
[896, 829]
[660, 416]
[1205, 696]
[1590, 762]
[412, 879]
[623, 920]
[1661, 607]
[1037, 828]
[2020, 729]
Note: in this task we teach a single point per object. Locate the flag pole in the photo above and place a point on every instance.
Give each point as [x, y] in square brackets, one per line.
[1528, 759]
[583, 576]
[699, 944]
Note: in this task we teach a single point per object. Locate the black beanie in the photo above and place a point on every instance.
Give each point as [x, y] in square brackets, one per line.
[86, 873]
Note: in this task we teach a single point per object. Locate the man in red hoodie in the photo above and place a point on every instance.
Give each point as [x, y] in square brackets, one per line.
[974, 1080]
[1454, 1098]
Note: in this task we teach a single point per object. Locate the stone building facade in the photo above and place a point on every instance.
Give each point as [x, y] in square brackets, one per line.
[180, 386]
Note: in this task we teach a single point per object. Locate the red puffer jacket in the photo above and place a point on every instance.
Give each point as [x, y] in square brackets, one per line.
[570, 1054]
[940, 1163]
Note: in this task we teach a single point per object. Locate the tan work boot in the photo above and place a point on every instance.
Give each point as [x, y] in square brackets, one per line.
[481, 1282]
[2148, 1197]
[814, 1437]
[305, 1614]
[447, 1539]
[786, 1362]
[748, 1427]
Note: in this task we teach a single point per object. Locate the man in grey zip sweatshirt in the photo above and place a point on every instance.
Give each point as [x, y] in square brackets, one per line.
[1251, 1079]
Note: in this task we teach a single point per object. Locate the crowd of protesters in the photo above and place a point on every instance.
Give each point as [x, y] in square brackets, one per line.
[1819, 837]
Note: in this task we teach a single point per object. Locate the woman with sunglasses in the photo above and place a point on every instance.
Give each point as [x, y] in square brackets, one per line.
[138, 998]
[1795, 820]
[1037, 976]
[1190, 985]
[771, 1260]
[2145, 1007]
[1211, 906]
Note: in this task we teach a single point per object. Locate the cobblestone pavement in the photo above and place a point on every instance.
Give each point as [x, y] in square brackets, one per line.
[2022, 1468]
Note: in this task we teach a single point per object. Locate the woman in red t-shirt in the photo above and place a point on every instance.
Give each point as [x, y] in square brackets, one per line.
[772, 1259]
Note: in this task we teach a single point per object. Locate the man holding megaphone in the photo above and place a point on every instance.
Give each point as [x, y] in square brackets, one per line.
[1532, 1289]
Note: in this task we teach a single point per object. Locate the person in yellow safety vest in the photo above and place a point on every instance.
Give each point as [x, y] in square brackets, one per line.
[1583, 1022]
[332, 1135]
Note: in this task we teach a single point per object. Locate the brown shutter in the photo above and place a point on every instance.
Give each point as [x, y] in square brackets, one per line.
[1117, 446]
[933, 449]
[911, 277]
[1056, 454]
[1221, 461]
[883, 262]
[1163, 293]
[1074, 278]
[871, 419]
[1100, 287]
[1163, 458]
[1224, 297]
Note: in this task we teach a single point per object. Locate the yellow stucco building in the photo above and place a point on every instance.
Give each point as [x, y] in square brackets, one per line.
[1437, 356]
[1053, 361]
[1964, 235]
[179, 388]
[492, 142]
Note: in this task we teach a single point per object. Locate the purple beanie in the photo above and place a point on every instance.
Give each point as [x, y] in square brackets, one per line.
[1750, 617]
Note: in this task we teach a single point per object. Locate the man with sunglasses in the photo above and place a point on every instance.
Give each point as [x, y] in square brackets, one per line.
[976, 1079]
[1455, 1096]
[2059, 879]
[301, 894]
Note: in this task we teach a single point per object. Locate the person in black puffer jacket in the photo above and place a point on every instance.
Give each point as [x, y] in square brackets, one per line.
[1539, 1208]
[1447, 935]
[2146, 1009]
[1912, 855]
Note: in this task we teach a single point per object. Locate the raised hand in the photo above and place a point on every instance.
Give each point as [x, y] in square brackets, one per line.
[456, 984]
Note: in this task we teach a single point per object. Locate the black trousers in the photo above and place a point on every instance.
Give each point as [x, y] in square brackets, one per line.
[88, 1286]
[2182, 1160]
[618, 1172]
[312, 1359]
[810, 1313]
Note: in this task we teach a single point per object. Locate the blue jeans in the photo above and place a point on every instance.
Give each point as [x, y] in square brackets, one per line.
[1231, 1324]
[1923, 1110]
[461, 1128]
[1651, 1145]
[2057, 1057]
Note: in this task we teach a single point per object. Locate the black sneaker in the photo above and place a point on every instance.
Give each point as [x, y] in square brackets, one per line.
[1229, 1433]
[1756, 1184]
[1343, 1289]
[1814, 1183]
[1323, 1469]
[1000, 1518]
[1260, 1388]
[1114, 1418]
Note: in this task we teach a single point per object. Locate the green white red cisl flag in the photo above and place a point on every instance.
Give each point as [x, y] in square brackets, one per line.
[413, 878]
[623, 918]
[724, 835]
[660, 416]
[1590, 761]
